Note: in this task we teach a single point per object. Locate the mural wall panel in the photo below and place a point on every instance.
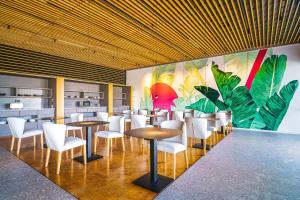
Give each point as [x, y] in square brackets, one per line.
[259, 87]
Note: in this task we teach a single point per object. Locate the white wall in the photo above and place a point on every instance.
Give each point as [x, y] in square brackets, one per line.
[142, 77]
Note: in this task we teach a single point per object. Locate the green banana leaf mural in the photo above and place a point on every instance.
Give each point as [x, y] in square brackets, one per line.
[203, 105]
[163, 74]
[226, 83]
[268, 79]
[212, 95]
[146, 101]
[277, 105]
[263, 107]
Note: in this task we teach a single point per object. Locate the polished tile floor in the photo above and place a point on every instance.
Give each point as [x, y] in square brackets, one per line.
[107, 178]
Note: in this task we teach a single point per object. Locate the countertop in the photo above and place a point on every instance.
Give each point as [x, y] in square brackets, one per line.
[245, 165]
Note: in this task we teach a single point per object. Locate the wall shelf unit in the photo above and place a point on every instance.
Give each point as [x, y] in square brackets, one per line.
[121, 98]
[24, 92]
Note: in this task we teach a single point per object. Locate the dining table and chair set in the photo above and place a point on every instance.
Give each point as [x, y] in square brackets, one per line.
[165, 131]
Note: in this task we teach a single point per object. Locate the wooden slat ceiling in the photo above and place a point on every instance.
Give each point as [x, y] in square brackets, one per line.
[133, 34]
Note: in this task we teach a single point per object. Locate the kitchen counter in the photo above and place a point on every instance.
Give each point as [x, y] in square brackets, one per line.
[245, 165]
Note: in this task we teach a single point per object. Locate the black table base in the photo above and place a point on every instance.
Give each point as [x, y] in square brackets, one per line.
[91, 158]
[145, 182]
[200, 146]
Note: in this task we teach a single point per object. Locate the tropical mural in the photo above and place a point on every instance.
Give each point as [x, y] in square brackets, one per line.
[251, 87]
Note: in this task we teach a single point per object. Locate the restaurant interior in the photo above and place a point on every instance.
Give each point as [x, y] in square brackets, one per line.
[150, 99]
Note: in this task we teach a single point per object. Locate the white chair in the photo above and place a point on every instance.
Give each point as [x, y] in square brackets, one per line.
[143, 112]
[102, 116]
[212, 125]
[56, 140]
[201, 131]
[188, 113]
[176, 144]
[135, 111]
[161, 116]
[17, 126]
[138, 121]
[223, 123]
[115, 130]
[127, 115]
[189, 129]
[75, 117]
[177, 115]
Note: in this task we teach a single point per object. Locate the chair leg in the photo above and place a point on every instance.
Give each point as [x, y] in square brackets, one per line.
[204, 147]
[186, 158]
[81, 134]
[47, 157]
[12, 143]
[174, 166]
[84, 154]
[42, 141]
[95, 143]
[131, 143]
[210, 142]
[34, 142]
[58, 162]
[165, 157]
[108, 143]
[74, 133]
[123, 142]
[148, 160]
[72, 153]
[142, 145]
[19, 145]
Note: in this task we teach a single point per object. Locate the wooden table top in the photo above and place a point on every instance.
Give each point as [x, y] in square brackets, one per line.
[153, 133]
[87, 123]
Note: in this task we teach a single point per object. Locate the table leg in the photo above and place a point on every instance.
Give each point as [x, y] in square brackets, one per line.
[152, 180]
[89, 155]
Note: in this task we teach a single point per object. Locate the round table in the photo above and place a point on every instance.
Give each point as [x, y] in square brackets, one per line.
[152, 180]
[88, 131]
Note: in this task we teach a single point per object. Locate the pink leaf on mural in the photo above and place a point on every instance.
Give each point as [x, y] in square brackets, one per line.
[256, 65]
[162, 96]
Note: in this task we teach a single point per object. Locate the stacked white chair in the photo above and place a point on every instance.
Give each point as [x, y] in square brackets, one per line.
[201, 131]
[176, 144]
[115, 130]
[75, 117]
[56, 140]
[17, 126]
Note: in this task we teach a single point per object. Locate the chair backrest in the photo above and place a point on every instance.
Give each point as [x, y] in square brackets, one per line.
[161, 116]
[76, 117]
[188, 113]
[177, 115]
[189, 126]
[143, 112]
[127, 114]
[200, 128]
[102, 116]
[138, 121]
[156, 110]
[176, 124]
[135, 111]
[16, 126]
[116, 123]
[55, 135]
[222, 118]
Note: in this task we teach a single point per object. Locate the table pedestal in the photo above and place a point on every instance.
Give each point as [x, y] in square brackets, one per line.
[89, 155]
[152, 180]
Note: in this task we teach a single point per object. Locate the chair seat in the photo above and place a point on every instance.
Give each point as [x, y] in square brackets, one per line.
[72, 142]
[70, 128]
[30, 133]
[149, 126]
[108, 134]
[170, 147]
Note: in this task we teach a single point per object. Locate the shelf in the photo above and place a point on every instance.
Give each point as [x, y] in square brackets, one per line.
[83, 98]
